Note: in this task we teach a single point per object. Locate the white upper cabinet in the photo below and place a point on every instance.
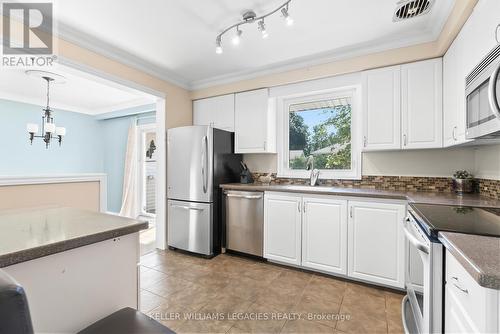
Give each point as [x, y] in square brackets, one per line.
[474, 41]
[376, 242]
[217, 112]
[324, 234]
[282, 225]
[255, 122]
[422, 104]
[382, 109]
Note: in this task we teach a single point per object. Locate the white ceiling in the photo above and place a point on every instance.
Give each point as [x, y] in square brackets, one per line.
[81, 92]
[175, 39]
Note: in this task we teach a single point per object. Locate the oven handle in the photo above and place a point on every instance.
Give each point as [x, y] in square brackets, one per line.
[403, 313]
[492, 92]
[414, 241]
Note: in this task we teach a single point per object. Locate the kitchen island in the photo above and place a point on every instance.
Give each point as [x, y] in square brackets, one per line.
[76, 266]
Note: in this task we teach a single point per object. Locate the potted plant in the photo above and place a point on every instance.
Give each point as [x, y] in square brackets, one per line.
[463, 182]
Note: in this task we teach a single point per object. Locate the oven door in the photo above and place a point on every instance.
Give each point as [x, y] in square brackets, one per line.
[418, 276]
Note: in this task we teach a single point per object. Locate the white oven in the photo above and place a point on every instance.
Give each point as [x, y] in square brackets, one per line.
[482, 91]
[422, 306]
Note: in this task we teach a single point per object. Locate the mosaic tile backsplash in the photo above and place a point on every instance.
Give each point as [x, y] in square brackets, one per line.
[489, 188]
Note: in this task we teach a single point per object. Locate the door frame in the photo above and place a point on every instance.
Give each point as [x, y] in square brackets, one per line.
[141, 131]
[161, 118]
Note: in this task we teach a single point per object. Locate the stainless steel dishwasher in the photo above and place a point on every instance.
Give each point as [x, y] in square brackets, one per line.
[245, 221]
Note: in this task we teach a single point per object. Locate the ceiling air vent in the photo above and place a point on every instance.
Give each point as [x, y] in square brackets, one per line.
[408, 9]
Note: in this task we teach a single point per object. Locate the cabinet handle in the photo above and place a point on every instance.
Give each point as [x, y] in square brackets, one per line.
[265, 145]
[404, 140]
[298, 206]
[304, 207]
[454, 133]
[364, 141]
[350, 212]
[458, 287]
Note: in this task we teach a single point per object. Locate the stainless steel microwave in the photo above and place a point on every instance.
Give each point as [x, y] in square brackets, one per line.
[482, 91]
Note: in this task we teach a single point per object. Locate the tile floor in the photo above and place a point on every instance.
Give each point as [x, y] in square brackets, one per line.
[230, 294]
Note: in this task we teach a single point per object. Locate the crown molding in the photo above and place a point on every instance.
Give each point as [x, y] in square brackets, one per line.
[106, 49]
[312, 60]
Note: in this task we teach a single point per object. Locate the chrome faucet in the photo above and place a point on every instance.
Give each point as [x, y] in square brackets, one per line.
[313, 178]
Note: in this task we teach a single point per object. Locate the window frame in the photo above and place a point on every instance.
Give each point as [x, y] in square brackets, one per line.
[283, 104]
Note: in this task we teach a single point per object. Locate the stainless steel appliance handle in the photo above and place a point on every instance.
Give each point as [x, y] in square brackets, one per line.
[186, 207]
[458, 287]
[204, 163]
[244, 196]
[492, 92]
[414, 241]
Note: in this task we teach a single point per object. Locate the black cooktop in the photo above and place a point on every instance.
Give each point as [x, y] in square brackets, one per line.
[459, 219]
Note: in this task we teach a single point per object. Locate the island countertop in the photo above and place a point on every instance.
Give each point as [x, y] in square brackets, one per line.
[27, 234]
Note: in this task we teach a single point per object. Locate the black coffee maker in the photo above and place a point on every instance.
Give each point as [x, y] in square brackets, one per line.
[245, 175]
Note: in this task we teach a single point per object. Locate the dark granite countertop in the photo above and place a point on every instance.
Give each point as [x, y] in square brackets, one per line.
[27, 234]
[412, 197]
[479, 255]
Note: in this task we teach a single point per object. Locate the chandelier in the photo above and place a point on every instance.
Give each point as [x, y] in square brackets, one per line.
[49, 129]
[251, 17]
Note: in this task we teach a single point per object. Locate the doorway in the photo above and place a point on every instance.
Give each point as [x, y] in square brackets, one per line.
[146, 180]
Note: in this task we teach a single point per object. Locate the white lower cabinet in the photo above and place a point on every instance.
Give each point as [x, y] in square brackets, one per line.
[324, 234]
[282, 222]
[469, 307]
[376, 242]
[316, 232]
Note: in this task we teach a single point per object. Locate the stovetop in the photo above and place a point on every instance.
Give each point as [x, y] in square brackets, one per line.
[459, 219]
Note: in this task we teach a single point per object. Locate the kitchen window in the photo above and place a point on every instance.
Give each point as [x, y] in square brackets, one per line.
[319, 128]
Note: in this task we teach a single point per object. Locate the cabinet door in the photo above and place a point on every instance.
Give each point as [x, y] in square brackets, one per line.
[217, 112]
[382, 109]
[422, 104]
[254, 122]
[376, 242]
[282, 221]
[450, 96]
[324, 234]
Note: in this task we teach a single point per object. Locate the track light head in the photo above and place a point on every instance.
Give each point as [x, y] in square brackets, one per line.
[218, 45]
[286, 15]
[262, 28]
[237, 37]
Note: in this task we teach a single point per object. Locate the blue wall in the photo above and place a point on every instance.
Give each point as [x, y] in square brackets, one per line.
[115, 132]
[81, 150]
[93, 144]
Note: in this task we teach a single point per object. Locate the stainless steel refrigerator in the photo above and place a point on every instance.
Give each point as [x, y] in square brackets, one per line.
[199, 159]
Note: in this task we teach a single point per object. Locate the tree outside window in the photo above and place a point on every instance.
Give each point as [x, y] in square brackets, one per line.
[321, 129]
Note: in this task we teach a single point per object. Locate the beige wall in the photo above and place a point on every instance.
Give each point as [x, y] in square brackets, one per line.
[178, 102]
[83, 195]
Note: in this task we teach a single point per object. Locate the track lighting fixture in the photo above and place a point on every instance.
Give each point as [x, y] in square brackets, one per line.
[251, 17]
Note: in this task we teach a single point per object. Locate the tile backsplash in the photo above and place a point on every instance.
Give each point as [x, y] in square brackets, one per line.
[489, 188]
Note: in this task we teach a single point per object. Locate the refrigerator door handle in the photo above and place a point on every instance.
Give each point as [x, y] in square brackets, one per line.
[204, 163]
[185, 207]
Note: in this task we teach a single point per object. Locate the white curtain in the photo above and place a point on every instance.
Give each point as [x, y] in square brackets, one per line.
[130, 187]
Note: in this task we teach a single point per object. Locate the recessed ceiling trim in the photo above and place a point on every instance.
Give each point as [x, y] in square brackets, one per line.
[105, 49]
[313, 60]
[40, 101]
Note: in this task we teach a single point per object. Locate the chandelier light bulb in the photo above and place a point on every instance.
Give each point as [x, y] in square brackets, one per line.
[262, 28]
[60, 131]
[32, 128]
[288, 18]
[50, 127]
[237, 38]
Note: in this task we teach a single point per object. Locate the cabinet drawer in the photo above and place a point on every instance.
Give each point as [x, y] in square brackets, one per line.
[478, 305]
